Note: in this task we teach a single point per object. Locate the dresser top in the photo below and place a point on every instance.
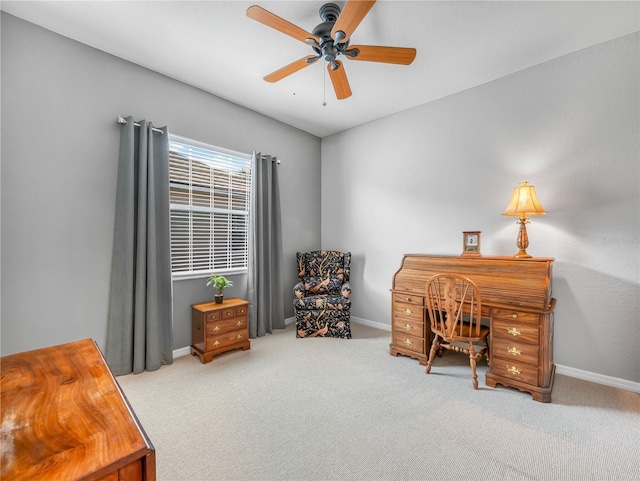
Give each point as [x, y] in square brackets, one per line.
[64, 416]
[232, 302]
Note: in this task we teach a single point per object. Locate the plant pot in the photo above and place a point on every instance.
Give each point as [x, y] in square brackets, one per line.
[219, 298]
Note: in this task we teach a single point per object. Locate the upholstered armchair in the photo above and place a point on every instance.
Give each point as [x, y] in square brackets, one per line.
[322, 295]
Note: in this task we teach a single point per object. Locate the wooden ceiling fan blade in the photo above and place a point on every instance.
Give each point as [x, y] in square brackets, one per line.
[372, 53]
[339, 81]
[349, 19]
[293, 67]
[269, 19]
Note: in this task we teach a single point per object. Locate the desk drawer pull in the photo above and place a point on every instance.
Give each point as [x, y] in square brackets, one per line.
[216, 329]
[514, 351]
[514, 315]
[514, 332]
[408, 342]
[408, 327]
[513, 370]
[408, 311]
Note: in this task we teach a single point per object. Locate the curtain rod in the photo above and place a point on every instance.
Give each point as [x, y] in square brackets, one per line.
[122, 120]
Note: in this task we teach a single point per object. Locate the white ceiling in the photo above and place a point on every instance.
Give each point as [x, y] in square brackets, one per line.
[214, 46]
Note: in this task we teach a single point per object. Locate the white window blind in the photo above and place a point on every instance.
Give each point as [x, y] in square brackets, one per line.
[210, 194]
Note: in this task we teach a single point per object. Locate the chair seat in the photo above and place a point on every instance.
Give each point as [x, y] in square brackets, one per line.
[466, 334]
[335, 302]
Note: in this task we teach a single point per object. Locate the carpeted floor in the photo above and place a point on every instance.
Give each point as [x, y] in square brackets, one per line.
[334, 409]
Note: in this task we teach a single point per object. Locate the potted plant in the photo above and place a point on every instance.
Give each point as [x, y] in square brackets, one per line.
[219, 282]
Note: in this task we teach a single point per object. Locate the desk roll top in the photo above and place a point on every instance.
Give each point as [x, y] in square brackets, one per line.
[516, 297]
[501, 280]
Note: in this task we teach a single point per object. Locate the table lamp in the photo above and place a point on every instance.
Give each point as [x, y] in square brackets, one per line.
[524, 202]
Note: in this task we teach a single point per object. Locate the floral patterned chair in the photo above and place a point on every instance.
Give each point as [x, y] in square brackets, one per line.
[322, 304]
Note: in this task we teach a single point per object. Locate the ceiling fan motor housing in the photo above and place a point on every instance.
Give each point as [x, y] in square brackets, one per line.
[327, 47]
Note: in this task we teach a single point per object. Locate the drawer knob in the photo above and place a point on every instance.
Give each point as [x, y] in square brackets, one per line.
[408, 299]
[408, 342]
[514, 351]
[514, 332]
[239, 323]
[514, 315]
[514, 370]
[408, 311]
[216, 329]
[408, 327]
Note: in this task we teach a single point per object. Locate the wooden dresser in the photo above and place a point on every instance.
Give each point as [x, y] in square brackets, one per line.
[218, 328]
[516, 297]
[64, 417]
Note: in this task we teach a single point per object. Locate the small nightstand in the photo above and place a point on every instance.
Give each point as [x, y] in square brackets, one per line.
[218, 328]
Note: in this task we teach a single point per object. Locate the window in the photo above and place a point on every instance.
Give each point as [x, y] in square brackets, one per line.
[210, 195]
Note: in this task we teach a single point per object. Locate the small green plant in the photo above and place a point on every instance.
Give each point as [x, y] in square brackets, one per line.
[219, 282]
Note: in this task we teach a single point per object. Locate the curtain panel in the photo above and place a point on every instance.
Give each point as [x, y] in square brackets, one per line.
[139, 332]
[264, 290]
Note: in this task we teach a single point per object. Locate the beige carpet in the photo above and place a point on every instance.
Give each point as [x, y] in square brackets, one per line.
[334, 409]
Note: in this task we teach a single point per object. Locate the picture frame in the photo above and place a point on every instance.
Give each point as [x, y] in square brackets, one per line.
[471, 243]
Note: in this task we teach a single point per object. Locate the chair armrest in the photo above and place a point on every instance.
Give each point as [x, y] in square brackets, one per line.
[345, 290]
[298, 290]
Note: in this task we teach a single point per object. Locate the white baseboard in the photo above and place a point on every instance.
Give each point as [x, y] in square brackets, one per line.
[183, 351]
[598, 378]
[564, 370]
[374, 324]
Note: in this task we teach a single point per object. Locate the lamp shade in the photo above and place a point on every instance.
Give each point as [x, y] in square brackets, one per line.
[524, 201]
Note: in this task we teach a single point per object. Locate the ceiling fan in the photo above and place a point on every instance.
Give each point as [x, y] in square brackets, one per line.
[330, 40]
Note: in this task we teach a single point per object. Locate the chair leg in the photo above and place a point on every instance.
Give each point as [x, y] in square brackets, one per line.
[472, 361]
[435, 345]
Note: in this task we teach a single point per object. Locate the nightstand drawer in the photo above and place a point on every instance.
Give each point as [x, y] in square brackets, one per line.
[516, 316]
[229, 312]
[224, 340]
[220, 327]
[408, 299]
[515, 331]
[213, 316]
[516, 351]
[525, 373]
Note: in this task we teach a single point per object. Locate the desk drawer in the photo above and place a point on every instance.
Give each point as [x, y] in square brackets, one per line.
[515, 316]
[522, 333]
[411, 343]
[409, 327]
[408, 299]
[409, 312]
[515, 351]
[525, 373]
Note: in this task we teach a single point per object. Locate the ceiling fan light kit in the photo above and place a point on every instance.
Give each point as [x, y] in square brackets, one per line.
[330, 40]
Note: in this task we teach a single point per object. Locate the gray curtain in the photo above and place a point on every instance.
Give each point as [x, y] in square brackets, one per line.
[139, 334]
[265, 295]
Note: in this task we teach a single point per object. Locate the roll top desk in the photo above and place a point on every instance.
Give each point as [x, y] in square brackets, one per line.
[516, 298]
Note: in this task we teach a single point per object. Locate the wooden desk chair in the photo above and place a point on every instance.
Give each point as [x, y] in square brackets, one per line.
[454, 308]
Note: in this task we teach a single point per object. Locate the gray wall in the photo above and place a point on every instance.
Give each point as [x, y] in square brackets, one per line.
[60, 101]
[412, 182]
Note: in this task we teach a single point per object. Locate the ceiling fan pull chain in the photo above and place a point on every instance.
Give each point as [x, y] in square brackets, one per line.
[324, 88]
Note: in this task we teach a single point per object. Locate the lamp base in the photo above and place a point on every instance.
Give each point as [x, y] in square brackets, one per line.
[522, 254]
